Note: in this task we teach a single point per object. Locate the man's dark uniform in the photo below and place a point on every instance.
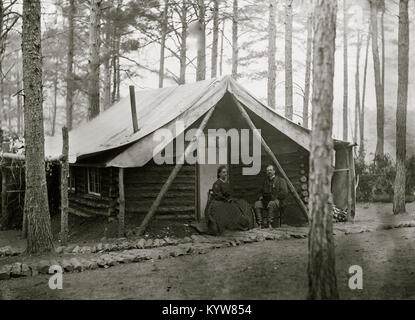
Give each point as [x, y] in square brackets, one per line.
[273, 193]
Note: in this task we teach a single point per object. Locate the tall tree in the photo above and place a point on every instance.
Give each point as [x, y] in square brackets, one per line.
[357, 87]
[288, 59]
[382, 7]
[272, 67]
[321, 259]
[182, 11]
[69, 65]
[164, 28]
[308, 65]
[235, 49]
[345, 75]
[36, 209]
[380, 109]
[215, 40]
[362, 111]
[401, 110]
[201, 46]
[94, 58]
[221, 48]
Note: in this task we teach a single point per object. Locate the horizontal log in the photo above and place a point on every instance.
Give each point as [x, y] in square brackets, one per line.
[21, 157]
[161, 209]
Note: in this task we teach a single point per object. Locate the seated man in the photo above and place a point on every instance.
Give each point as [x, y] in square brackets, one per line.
[273, 193]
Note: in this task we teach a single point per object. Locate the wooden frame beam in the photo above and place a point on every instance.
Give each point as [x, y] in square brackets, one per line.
[173, 174]
[291, 187]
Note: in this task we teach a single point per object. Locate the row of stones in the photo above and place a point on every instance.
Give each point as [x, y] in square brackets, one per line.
[105, 260]
[119, 244]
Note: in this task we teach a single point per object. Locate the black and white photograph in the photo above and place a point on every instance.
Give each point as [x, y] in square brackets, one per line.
[220, 151]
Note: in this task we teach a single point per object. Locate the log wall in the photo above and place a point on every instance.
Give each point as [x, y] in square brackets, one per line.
[142, 186]
[295, 165]
[83, 203]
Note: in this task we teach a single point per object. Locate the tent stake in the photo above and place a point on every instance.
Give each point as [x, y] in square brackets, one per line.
[173, 174]
[273, 157]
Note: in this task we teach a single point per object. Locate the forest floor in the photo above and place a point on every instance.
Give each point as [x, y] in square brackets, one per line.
[261, 270]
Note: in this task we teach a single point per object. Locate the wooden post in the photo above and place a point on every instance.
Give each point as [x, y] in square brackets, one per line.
[4, 216]
[274, 159]
[173, 174]
[133, 109]
[121, 200]
[64, 186]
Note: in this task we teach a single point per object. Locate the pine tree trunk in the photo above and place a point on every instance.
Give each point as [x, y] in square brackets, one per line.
[221, 48]
[19, 102]
[2, 49]
[380, 114]
[55, 100]
[69, 66]
[382, 31]
[201, 47]
[163, 42]
[345, 75]
[183, 43]
[215, 40]
[288, 59]
[321, 262]
[362, 112]
[94, 57]
[306, 100]
[39, 236]
[357, 88]
[235, 49]
[107, 65]
[401, 110]
[272, 67]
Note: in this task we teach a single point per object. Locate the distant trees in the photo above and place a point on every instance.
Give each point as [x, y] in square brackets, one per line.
[380, 108]
[69, 64]
[321, 259]
[36, 209]
[215, 39]
[235, 49]
[288, 59]
[362, 111]
[401, 110]
[306, 97]
[201, 46]
[345, 75]
[272, 67]
[8, 19]
[94, 58]
[163, 31]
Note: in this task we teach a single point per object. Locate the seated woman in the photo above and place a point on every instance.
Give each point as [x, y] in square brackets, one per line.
[224, 212]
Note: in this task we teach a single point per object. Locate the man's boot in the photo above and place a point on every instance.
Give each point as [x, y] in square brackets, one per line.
[258, 217]
[270, 216]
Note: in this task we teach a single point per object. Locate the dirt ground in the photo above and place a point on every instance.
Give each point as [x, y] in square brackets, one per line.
[264, 270]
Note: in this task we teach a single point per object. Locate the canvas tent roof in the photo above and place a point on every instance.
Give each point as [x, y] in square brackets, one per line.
[161, 108]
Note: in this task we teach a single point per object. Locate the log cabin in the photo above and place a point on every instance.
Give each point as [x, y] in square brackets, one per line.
[113, 171]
